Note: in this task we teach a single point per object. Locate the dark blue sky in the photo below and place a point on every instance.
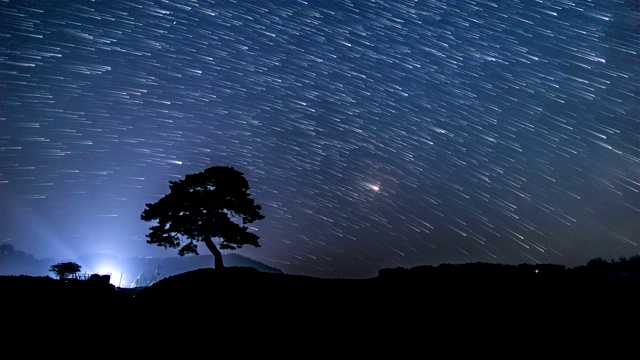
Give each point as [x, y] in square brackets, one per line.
[375, 134]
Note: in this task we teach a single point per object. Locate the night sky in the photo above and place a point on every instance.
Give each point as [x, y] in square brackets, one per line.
[375, 134]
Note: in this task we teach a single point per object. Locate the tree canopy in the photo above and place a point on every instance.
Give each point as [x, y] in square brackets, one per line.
[214, 203]
[64, 270]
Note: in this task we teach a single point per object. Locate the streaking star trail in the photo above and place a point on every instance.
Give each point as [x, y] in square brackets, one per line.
[375, 134]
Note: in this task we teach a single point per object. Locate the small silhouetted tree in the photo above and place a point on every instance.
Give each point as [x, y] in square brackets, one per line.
[214, 203]
[65, 269]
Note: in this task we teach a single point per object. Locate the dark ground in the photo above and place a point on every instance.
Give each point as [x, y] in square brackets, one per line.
[481, 304]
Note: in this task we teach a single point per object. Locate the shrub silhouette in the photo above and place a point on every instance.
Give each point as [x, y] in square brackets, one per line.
[64, 270]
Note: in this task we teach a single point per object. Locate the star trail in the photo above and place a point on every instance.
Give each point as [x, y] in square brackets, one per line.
[375, 134]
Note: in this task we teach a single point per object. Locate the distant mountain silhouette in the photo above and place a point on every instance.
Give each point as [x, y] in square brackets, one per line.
[143, 270]
[16, 262]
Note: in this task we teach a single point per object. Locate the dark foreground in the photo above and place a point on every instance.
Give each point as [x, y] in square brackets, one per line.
[420, 307]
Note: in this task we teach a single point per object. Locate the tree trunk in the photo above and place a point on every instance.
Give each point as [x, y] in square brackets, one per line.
[217, 255]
